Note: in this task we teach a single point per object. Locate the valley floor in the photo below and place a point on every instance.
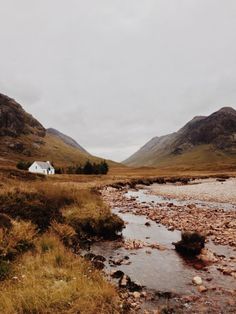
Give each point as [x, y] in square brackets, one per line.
[45, 222]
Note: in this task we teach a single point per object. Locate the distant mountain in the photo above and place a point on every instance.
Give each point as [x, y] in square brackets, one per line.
[22, 137]
[66, 139]
[202, 142]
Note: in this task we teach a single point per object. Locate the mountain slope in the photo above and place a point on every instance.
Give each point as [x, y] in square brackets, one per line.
[66, 139]
[22, 137]
[200, 142]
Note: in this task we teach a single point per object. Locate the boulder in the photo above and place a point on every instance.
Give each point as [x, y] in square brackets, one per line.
[191, 244]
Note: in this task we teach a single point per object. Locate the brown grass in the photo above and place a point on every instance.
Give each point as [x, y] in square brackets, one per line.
[53, 280]
[16, 239]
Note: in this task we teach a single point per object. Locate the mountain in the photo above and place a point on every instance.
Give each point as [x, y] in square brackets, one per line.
[22, 137]
[66, 139]
[14, 121]
[203, 142]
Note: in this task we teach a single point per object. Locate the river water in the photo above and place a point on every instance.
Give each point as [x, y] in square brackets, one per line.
[166, 270]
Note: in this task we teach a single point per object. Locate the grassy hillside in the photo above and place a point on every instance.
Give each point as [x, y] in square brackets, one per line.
[48, 148]
[204, 143]
[200, 158]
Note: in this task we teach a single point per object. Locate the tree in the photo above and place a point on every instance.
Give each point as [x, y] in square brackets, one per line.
[88, 168]
[104, 167]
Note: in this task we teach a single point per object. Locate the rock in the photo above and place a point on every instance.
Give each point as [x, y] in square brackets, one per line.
[147, 224]
[99, 258]
[124, 281]
[117, 274]
[137, 295]
[207, 256]
[191, 244]
[197, 280]
[202, 289]
[135, 286]
[144, 294]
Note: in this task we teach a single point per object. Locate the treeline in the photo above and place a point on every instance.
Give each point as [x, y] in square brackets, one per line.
[88, 168]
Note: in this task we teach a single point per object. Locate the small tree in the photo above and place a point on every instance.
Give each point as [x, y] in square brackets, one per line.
[88, 168]
[104, 167]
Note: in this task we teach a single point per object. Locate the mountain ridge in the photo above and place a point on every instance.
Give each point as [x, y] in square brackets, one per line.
[22, 137]
[66, 139]
[216, 131]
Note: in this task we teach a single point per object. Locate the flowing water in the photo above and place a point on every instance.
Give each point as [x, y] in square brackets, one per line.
[161, 270]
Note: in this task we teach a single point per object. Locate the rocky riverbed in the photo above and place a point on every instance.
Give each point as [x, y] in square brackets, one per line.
[152, 276]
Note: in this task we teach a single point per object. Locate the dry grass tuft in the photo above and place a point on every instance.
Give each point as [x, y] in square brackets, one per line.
[53, 280]
[65, 232]
[16, 239]
[90, 216]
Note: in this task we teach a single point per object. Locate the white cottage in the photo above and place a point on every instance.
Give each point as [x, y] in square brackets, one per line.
[42, 167]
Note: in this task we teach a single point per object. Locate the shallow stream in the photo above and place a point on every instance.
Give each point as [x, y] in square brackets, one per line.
[166, 270]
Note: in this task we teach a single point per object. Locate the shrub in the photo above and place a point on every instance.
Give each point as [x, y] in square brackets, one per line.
[40, 206]
[23, 165]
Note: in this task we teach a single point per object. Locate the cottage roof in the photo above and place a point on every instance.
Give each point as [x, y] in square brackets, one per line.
[44, 165]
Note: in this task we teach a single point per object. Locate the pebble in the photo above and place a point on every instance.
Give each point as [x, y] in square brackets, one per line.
[202, 289]
[197, 281]
[137, 295]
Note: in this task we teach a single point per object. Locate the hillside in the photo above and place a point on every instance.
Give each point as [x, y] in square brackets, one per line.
[204, 142]
[66, 139]
[22, 137]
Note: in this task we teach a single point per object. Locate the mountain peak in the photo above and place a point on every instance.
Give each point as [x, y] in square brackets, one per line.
[227, 110]
[213, 135]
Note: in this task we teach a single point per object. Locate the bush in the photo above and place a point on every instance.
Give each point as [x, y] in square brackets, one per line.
[191, 243]
[23, 165]
[40, 207]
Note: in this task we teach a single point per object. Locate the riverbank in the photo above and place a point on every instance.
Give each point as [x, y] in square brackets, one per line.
[211, 190]
[146, 254]
[72, 209]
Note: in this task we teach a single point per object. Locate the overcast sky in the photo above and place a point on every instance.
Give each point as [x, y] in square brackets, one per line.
[115, 73]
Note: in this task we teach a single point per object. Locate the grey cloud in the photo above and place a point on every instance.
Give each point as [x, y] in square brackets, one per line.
[113, 74]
